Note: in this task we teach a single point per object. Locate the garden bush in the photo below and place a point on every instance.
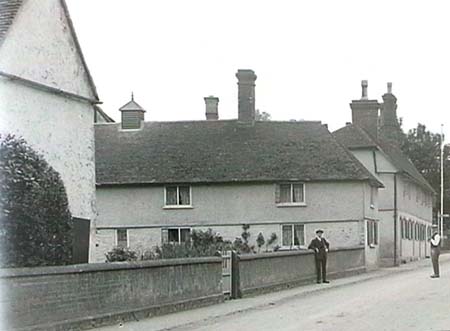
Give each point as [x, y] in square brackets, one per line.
[35, 221]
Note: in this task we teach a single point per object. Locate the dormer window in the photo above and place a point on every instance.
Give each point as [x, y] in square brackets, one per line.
[177, 196]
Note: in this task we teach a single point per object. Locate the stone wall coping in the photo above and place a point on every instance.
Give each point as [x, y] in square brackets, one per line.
[96, 267]
[248, 257]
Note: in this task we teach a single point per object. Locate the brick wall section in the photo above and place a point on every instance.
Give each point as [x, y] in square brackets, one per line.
[271, 271]
[83, 296]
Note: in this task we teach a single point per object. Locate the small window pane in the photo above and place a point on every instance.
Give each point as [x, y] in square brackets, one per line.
[299, 237]
[173, 236]
[287, 235]
[122, 238]
[171, 195]
[375, 233]
[184, 196]
[298, 193]
[285, 193]
[185, 235]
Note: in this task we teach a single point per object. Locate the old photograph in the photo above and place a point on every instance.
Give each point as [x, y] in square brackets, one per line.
[211, 165]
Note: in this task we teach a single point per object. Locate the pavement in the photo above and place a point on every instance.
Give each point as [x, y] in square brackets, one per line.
[398, 298]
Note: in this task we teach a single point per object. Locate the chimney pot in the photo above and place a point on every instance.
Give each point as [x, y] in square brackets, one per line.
[246, 95]
[364, 86]
[389, 88]
[212, 109]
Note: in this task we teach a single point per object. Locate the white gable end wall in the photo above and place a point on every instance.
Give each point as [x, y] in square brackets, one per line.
[47, 52]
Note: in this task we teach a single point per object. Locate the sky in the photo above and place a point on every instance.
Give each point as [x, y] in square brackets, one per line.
[309, 56]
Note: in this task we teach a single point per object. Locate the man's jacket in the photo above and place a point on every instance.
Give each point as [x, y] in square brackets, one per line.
[320, 247]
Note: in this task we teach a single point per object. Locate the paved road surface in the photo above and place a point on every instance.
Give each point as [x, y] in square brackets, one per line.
[406, 299]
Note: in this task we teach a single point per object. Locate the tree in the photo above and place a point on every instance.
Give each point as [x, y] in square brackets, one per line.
[35, 221]
[262, 116]
[423, 149]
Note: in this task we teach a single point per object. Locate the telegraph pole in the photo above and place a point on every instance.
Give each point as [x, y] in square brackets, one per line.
[441, 216]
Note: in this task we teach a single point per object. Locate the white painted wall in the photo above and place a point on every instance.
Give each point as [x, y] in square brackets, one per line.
[40, 47]
[338, 208]
[412, 202]
[228, 204]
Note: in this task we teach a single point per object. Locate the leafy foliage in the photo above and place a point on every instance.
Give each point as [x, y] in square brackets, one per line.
[35, 221]
[273, 238]
[121, 254]
[241, 245]
[423, 148]
[260, 241]
[202, 243]
[262, 116]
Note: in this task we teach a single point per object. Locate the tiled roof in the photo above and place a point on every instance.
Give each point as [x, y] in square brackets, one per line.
[8, 11]
[222, 151]
[353, 137]
[100, 113]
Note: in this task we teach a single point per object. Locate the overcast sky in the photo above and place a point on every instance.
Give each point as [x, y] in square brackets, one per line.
[309, 56]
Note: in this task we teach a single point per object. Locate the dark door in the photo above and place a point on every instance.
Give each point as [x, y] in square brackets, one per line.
[81, 231]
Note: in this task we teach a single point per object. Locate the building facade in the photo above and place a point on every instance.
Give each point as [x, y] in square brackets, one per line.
[47, 95]
[158, 181]
[406, 201]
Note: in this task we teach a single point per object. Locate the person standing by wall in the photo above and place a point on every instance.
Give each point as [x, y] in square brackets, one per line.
[435, 243]
[320, 247]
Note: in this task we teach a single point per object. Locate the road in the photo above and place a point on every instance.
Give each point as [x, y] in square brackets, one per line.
[405, 300]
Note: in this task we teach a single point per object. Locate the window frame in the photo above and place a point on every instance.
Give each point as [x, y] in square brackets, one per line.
[292, 225]
[372, 233]
[291, 203]
[179, 228]
[178, 206]
[117, 237]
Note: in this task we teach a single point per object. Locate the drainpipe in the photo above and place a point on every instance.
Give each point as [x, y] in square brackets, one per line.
[395, 220]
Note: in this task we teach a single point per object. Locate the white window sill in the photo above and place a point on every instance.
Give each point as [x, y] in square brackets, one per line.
[178, 207]
[291, 204]
[292, 248]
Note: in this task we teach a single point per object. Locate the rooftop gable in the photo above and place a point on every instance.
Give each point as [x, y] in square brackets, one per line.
[354, 137]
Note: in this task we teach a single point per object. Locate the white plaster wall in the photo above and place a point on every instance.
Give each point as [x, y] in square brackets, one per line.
[40, 47]
[339, 234]
[62, 131]
[412, 199]
[228, 204]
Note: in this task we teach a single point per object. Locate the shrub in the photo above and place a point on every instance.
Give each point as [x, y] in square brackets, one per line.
[241, 245]
[201, 243]
[260, 241]
[35, 221]
[121, 254]
[273, 238]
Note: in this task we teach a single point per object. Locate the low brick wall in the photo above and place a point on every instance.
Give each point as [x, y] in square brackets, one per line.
[83, 296]
[272, 271]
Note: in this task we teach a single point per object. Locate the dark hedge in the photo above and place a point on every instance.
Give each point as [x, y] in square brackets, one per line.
[35, 221]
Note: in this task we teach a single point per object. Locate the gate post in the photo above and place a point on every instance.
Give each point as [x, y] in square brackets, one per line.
[235, 280]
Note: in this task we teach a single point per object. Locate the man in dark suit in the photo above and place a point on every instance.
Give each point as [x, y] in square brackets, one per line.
[320, 247]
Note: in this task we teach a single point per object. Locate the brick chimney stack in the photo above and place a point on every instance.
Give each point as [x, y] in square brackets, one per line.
[246, 95]
[365, 112]
[212, 109]
[389, 126]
